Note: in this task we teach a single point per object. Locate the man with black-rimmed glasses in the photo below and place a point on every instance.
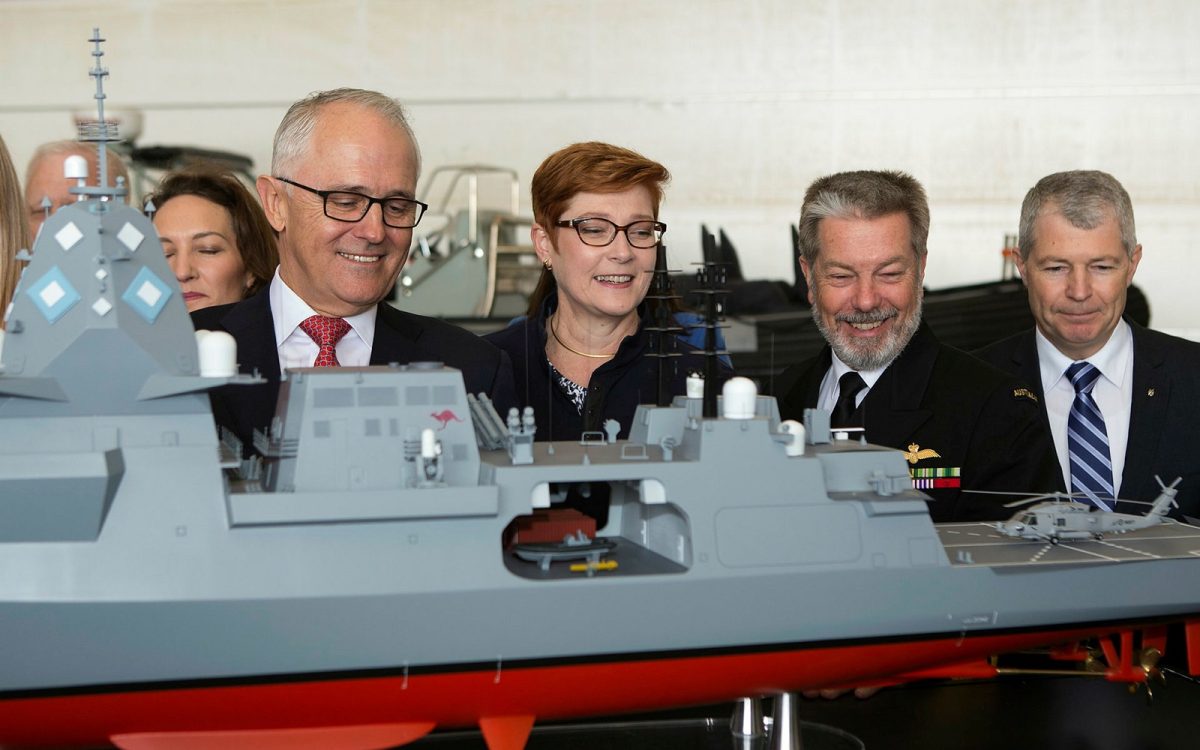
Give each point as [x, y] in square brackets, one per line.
[341, 198]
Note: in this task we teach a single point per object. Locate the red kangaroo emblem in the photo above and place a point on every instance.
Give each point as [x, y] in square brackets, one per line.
[444, 416]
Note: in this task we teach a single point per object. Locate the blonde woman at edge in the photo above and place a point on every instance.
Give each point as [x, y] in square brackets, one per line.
[14, 228]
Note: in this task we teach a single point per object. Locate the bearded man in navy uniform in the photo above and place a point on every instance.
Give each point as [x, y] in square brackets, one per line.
[962, 424]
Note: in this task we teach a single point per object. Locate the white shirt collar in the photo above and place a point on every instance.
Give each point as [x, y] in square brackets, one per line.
[289, 311]
[1111, 360]
[869, 377]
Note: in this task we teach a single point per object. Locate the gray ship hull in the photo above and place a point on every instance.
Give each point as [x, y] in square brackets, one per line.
[176, 590]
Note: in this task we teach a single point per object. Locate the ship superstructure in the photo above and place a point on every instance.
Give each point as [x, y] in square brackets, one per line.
[366, 578]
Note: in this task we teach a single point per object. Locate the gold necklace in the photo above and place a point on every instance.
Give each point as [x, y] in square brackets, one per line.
[554, 333]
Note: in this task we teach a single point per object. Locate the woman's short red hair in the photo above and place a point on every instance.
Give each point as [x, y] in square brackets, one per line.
[592, 167]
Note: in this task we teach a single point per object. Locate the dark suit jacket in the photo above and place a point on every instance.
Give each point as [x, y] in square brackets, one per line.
[1163, 418]
[399, 337]
[616, 389]
[935, 397]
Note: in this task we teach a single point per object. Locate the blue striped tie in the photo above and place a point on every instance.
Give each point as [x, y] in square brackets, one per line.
[1087, 440]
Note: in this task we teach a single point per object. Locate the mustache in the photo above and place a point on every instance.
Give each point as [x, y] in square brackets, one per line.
[878, 315]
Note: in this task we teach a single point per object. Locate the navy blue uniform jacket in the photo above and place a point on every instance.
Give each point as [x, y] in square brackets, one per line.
[933, 397]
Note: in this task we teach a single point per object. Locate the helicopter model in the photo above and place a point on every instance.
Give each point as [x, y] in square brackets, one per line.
[1057, 516]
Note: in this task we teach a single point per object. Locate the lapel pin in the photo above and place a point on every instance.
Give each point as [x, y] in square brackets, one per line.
[1150, 393]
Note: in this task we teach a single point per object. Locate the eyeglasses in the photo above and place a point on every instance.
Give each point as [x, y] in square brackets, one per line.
[599, 232]
[342, 205]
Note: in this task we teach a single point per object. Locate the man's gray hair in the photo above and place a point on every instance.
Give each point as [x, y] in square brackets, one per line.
[291, 139]
[116, 165]
[1086, 198]
[863, 195]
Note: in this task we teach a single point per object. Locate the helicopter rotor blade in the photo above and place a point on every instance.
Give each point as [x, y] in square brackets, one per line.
[1013, 494]
[1058, 497]
[1165, 487]
[1032, 495]
[1026, 501]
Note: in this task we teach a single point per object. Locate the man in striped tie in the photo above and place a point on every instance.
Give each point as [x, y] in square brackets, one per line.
[1122, 402]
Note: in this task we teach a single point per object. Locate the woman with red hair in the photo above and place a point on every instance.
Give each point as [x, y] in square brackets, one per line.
[579, 355]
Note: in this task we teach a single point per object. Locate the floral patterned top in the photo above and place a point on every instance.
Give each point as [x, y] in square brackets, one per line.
[574, 392]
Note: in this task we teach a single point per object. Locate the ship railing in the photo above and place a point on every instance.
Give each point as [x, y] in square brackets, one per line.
[512, 268]
[508, 269]
[272, 447]
[229, 449]
[471, 172]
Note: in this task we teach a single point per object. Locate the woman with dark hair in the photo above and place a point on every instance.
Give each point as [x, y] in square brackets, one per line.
[215, 236]
[579, 356]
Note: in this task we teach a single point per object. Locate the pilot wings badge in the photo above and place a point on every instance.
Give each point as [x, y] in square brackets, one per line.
[931, 478]
[915, 453]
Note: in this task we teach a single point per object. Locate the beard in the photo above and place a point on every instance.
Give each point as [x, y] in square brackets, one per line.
[872, 354]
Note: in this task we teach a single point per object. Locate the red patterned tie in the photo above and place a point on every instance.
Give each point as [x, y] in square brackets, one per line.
[326, 332]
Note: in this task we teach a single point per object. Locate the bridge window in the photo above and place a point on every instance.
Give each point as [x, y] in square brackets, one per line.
[333, 397]
[375, 396]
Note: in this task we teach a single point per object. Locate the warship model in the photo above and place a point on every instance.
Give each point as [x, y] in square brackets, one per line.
[383, 574]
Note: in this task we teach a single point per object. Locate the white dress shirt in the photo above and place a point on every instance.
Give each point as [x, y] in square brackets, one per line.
[1113, 393]
[295, 347]
[828, 396]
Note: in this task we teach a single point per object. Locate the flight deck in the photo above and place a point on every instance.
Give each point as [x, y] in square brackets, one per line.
[976, 544]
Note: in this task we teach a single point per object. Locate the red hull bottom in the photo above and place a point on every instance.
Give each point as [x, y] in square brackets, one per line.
[369, 712]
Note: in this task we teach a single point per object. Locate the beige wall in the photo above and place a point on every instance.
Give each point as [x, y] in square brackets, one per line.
[746, 102]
